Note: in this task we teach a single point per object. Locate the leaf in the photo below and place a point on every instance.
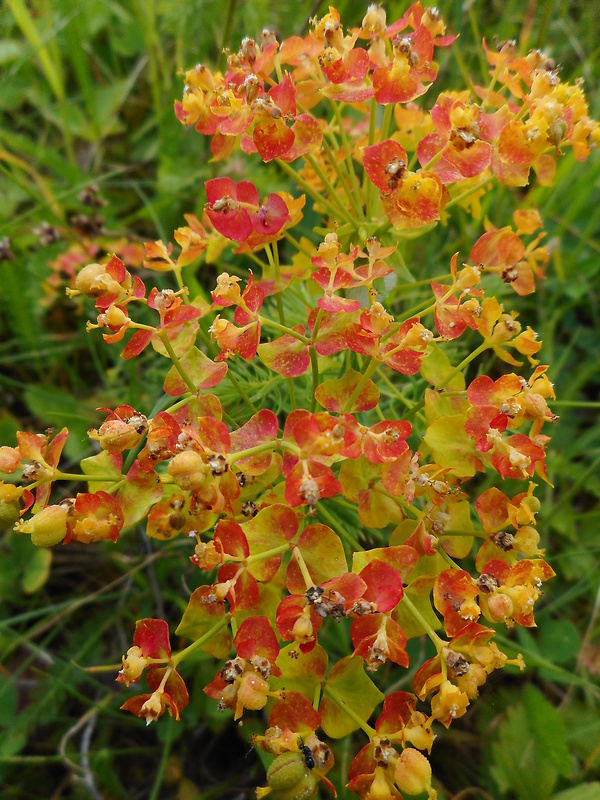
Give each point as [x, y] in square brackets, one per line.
[451, 447]
[104, 463]
[300, 672]
[559, 641]
[548, 729]
[199, 617]
[418, 592]
[203, 372]
[8, 706]
[141, 491]
[334, 394]
[437, 367]
[323, 553]
[585, 791]
[287, 355]
[521, 761]
[348, 680]
[271, 527]
[37, 569]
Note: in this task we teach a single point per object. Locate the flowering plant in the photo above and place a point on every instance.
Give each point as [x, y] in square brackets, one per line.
[333, 509]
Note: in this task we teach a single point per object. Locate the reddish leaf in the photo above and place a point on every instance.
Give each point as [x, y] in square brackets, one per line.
[333, 394]
[204, 373]
[256, 637]
[152, 637]
[286, 355]
[141, 491]
[384, 585]
[295, 712]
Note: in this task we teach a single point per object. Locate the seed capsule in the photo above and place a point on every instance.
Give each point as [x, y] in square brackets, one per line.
[290, 778]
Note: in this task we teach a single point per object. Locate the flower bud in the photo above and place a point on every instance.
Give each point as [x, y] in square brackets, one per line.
[413, 772]
[48, 527]
[10, 459]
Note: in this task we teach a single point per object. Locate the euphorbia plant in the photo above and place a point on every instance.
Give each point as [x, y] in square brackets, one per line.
[345, 505]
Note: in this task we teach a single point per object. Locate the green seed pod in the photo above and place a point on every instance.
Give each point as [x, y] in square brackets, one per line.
[9, 514]
[48, 527]
[290, 778]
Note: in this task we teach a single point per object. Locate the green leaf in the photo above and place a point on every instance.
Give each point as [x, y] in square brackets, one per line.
[103, 463]
[37, 570]
[199, 617]
[559, 641]
[351, 685]
[548, 729]
[437, 367]
[531, 750]
[8, 701]
[300, 672]
[586, 791]
[451, 446]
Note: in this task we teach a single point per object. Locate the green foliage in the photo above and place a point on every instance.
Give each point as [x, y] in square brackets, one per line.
[86, 94]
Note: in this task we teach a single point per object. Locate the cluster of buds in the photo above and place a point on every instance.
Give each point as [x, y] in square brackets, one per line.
[332, 511]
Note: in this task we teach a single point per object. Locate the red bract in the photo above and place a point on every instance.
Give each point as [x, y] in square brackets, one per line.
[94, 517]
[411, 69]
[234, 211]
[173, 318]
[42, 454]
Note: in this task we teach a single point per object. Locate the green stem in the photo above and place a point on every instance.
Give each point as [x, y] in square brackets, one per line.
[314, 363]
[274, 551]
[297, 245]
[347, 150]
[333, 523]
[222, 623]
[238, 387]
[456, 371]
[300, 181]
[477, 533]
[451, 563]
[250, 451]
[226, 29]
[371, 196]
[471, 190]
[343, 183]
[176, 362]
[284, 329]
[333, 695]
[373, 364]
[330, 189]
[414, 611]
[73, 476]
[387, 119]
[303, 568]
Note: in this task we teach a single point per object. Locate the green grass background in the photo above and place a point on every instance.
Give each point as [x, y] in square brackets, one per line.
[86, 95]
